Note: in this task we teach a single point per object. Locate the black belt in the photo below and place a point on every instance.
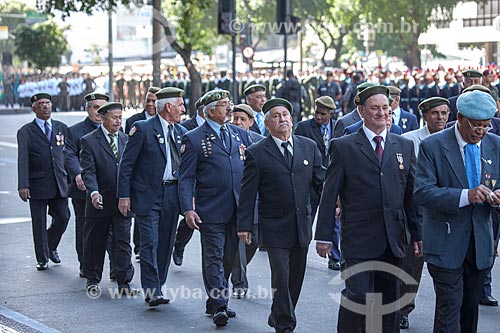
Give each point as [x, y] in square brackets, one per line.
[169, 182]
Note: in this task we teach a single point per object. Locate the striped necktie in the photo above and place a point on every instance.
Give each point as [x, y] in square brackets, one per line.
[112, 144]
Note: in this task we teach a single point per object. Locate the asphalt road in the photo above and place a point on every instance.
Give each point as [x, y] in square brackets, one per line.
[56, 298]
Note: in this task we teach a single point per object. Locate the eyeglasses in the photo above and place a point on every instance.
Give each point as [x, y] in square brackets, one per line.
[225, 105]
[479, 128]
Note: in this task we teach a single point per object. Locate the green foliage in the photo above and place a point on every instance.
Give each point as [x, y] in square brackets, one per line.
[11, 7]
[41, 45]
[85, 6]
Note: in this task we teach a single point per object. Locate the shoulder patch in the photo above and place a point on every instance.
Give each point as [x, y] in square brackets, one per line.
[132, 131]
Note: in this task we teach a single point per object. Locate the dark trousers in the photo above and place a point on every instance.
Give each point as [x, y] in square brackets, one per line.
[359, 285]
[96, 233]
[157, 232]
[79, 208]
[184, 234]
[413, 266]
[239, 271]
[288, 267]
[335, 254]
[457, 294]
[136, 237]
[219, 244]
[48, 239]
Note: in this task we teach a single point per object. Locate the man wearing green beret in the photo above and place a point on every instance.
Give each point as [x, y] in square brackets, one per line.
[435, 111]
[471, 77]
[209, 184]
[148, 187]
[184, 233]
[42, 178]
[284, 169]
[364, 167]
[456, 184]
[100, 152]
[93, 102]
[255, 96]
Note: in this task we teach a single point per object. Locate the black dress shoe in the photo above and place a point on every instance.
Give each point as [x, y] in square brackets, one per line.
[220, 318]
[404, 323]
[230, 312]
[177, 259]
[41, 266]
[54, 257]
[270, 321]
[239, 293]
[157, 300]
[126, 289]
[488, 301]
[334, 264]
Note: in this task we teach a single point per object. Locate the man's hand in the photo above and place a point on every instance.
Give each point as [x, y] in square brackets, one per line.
[192, 219]
[24, 194]
[245, 237]
[124, 206]
[79, 183]
[323, 249]
[97, 201]
[493, 198]
[478, 194]
[417, 249]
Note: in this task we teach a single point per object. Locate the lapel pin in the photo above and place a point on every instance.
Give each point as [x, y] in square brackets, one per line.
[306, 162]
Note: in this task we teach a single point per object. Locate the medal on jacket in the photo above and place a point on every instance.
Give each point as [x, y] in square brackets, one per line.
[160, 139]
[487, 177]
[59, 139]
[242, 148]
[404, 120]
[493, 183]
[399, 157]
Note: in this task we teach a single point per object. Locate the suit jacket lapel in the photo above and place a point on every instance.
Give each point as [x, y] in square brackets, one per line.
[298, 149]
[489, 163]
[158, 133]
[390, 150]
[454, 157]
[316, 129]
[121, 143]
[105, 143]
[211, 135]
[39, 131]
[366, 147]
[274, 151]
[177, 139]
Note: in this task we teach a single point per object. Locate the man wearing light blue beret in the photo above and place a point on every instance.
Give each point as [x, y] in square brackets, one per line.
[456, 184]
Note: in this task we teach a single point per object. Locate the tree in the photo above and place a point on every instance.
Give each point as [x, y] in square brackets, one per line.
[12, 16]
[41, 45]
[399, 23]
[190, 27]
[331, 20]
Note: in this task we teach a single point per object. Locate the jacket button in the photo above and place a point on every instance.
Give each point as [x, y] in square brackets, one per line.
[381, 173]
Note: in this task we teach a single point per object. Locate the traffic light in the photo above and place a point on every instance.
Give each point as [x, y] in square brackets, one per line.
[226, 16]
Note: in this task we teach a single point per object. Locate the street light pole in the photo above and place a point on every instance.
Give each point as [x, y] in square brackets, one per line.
[110, 53]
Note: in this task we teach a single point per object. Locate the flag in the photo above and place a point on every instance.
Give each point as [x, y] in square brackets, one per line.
[1, 87]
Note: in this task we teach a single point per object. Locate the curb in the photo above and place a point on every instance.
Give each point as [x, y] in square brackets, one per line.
[26, 321]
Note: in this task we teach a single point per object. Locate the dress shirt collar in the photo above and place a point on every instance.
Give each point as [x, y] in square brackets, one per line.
[370, 135]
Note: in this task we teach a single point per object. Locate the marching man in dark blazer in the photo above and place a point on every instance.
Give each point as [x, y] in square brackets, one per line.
[147, 186]
[42, 178]
[93, 102]
[148, 112]
[373, 173]
[283, 169]
[100, 153]
[404, 119]
[255, 96]
[456, 183]
[209, 186]
[184, 233]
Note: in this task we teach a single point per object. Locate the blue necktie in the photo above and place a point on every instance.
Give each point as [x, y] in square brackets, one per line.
[48, 132]
[260, 123]
[472, 166]
[223, 136]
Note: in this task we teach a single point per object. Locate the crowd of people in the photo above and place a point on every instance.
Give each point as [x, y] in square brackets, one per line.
[387, 186]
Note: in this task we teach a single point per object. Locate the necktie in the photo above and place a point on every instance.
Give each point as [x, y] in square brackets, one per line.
[48, 132]
[286, 154]
[112, 144]
[472, 167]
[379, 151]
[260, 123]
[223, 136]
[174, 154]
[325, 137]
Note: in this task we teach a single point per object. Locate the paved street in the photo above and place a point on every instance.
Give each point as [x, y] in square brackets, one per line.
[56, 298]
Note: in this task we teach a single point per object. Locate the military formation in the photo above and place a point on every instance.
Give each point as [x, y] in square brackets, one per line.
[388, 184]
